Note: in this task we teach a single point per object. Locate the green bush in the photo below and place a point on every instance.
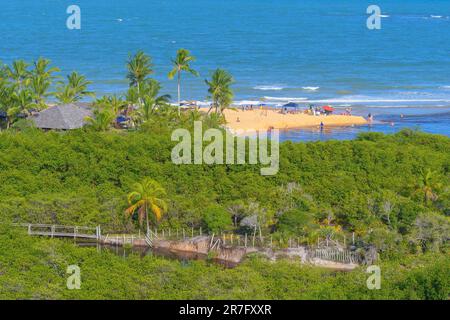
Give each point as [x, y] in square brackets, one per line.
[216, 219]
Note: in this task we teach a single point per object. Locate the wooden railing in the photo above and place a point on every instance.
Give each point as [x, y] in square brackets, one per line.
[52, 230]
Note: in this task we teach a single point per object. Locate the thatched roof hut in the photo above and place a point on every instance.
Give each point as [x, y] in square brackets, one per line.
[62, 117]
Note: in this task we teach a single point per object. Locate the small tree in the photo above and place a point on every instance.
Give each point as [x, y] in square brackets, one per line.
[216, 219]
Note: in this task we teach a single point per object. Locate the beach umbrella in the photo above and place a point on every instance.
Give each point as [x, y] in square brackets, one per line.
[328, 108]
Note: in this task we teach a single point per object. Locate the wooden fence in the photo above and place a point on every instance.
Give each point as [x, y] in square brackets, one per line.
[51, 230]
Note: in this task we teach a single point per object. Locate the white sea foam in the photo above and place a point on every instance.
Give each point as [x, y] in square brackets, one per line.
[247, 102]
[384, 16]
[268, 88]
[444, 87]
[435, 17]
[311, 88]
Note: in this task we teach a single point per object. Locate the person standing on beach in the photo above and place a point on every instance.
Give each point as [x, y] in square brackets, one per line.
[370, 118]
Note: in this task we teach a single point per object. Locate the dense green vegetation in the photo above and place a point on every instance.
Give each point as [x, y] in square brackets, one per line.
[33, 268]
[377, 186]
[390, 191]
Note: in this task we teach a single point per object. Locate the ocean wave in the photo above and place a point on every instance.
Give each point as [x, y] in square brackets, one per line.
[288, 99]
[384, 16]
[268, 88]
[375, 100]
[311, 88]
[444, 87]
[247, 102]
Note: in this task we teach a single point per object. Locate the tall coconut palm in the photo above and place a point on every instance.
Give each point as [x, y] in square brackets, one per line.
[41, 79]
[181, 63]
[147, 196]
[139, 67]
[219, 88]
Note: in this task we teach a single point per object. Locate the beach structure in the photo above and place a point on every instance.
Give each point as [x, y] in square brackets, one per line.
[62, 117]
[290, 106]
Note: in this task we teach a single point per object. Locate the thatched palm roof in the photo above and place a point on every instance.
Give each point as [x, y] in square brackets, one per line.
[62, 117]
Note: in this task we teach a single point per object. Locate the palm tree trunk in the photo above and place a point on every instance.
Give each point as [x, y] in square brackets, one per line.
[146, 218]
[179, 93]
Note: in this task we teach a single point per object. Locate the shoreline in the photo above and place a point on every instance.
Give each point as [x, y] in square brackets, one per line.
[253, 120]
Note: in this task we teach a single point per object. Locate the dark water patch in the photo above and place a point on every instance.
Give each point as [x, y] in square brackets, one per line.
[183, 257]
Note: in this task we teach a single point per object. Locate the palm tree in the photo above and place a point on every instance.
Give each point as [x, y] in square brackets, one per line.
[42, 69]
[151, 100]
[75, 89]
[41, 80]
[181, 63]
[220, 90]
[6, 102]
[139, 67]
[427, 186]
[113, 103]
[101, 120]
[65, 94]
[21, 104]
[147, 196]
[39, 87]
[19, 73]
[116, 103]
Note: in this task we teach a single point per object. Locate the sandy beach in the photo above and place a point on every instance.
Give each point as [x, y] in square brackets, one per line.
[266, 119]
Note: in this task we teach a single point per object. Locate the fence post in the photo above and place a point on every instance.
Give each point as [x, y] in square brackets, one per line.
[246, 240]
[200, 231]
[29, 229]
[53, 230]
[184, 234]
[212, 239]
[353, 238]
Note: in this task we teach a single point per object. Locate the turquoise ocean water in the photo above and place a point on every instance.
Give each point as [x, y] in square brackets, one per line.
[317, 51]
